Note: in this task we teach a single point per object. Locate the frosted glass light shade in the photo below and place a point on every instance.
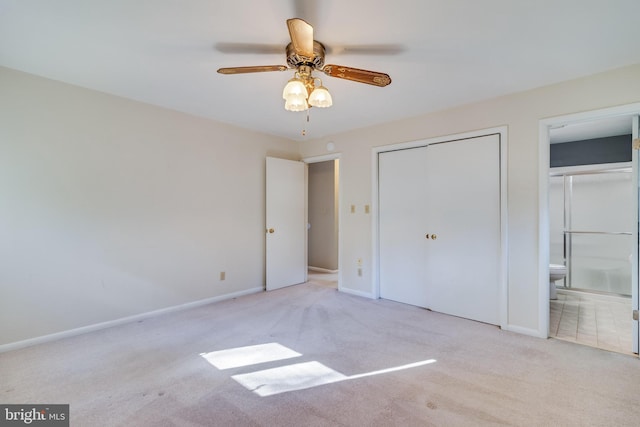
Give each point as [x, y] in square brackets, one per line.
[294, 87]
[320, 97]
[296, 103]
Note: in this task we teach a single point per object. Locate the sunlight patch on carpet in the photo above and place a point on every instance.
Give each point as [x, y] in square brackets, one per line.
[394, 369]
[298, 376]
[250, 355]
[305, 375]
[288, 378]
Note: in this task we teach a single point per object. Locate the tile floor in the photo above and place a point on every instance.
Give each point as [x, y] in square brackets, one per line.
[600, 321]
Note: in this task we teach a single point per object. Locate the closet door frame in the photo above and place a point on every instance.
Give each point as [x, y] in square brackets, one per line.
[502, 133]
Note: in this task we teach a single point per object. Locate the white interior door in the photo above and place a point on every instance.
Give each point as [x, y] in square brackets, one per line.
[403, 200]
[286, 223]
[464, 215]
[439, 227]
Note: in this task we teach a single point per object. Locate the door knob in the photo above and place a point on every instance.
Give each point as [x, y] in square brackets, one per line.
[434, 237]
[271, 230]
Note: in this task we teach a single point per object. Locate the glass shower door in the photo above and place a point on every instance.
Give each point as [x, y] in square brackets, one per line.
[598, 238]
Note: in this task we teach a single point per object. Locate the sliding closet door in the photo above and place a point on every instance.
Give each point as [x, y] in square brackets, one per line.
[403, 202]
[464, 259]
[439, 227]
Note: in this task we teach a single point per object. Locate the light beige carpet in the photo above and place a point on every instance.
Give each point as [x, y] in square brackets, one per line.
[318, 357]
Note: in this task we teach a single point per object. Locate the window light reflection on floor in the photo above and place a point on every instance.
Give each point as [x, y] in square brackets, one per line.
[250, 355]
[298, 376]
[301, 376]
[288, 378]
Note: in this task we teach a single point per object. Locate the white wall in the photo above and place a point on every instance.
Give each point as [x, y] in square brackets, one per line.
[521, 112]
[110, 208]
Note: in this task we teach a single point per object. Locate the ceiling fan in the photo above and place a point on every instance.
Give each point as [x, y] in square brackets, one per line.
[305, 55]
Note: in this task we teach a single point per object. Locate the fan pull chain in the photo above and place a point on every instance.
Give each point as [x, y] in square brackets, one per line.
[304, 131]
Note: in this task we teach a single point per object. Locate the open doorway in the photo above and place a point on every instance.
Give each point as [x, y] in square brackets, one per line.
[592, 205]
[323, 203]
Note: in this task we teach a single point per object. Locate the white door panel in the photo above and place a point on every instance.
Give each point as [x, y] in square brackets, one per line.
[286, 231]
[402, 247]
[463, 261]
[450, 191]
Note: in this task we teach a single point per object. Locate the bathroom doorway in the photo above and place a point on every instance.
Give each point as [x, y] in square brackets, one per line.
[592, 187]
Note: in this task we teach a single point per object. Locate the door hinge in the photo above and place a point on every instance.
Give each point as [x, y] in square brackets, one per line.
[635, 314]
[636, 144]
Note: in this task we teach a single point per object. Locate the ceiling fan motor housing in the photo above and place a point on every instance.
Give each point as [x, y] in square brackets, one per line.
[295, 60]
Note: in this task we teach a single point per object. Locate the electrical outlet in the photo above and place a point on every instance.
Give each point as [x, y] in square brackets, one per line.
[223, 275]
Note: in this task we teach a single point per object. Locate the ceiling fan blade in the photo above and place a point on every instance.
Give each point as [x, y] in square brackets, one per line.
[301, 34]
[357, 75]
[251, 48]
[253, 69]
[366, 49]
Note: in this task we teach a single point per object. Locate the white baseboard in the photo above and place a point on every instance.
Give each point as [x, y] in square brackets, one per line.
[357, 293]
[103, 325]
[322, 270]
[525, 331]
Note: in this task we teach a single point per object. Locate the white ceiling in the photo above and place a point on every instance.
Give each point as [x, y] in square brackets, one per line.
[163, 52]
[592, 129]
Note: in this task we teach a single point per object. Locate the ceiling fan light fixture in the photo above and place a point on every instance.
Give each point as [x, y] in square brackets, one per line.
[294, 87]
[320, 97]
[304, 56]
[296, 103]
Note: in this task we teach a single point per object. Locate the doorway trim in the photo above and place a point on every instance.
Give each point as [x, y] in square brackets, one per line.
[502, 131]
[325, 158]
[543, 203]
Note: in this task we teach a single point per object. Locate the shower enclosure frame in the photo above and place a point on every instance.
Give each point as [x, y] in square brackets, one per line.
[568, 232]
